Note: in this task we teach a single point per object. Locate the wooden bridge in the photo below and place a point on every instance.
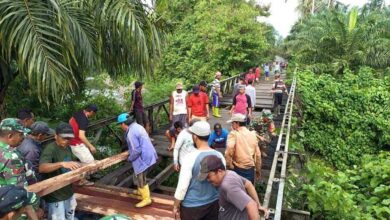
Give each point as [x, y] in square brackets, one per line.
[112, 194]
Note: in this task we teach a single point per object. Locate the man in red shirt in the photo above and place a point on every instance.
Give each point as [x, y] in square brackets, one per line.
[80, 145]
[257, 73]
[198, 105]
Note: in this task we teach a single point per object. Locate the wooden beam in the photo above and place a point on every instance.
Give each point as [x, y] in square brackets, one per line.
[161, 177]
[50, 185]
[112, 178]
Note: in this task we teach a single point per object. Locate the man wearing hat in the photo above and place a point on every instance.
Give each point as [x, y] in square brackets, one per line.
[238, 198]
[137, 107]
[55, 160]
[196, 199]
[13, 168]
[242, 153]
[198, 104]
[80, 145]
[31, 147]
[142, 154]
[265, 129]
[15, 201]
[177, 112]
[216, 94]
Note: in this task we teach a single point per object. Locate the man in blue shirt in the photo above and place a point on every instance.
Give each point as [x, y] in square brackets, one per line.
[142, 154]
[218, 137]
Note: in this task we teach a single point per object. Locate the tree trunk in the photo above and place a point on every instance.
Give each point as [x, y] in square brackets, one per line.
[313, 6]
[3, 112]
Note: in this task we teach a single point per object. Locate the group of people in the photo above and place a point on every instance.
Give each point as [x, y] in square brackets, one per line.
[24, 162]
[211, 162]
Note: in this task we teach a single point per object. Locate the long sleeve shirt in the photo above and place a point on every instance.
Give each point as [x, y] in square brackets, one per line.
[142, 154]
[242, 150]
[183, 146]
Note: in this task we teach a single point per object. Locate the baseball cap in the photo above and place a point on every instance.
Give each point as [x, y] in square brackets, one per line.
[65, 130]
[200, 128]
[138, 84]
[15, 197]
[237, 117]
[179, 85]
[267, 114]
[41, 127]
[195, 89]
[209, 163]
[92, 107]
[217, 127]
[13, 124]
[122, 118]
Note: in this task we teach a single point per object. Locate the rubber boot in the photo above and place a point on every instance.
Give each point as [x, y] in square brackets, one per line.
[145, 194]
[217, 112]
[213, 110]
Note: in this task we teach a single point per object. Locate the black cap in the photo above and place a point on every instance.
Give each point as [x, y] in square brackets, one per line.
[203, 83]
[41, 127]
[15, 197]
[138, 84]
[209, 163]
[195, 89]
[65, 130]
[217, 127]
[91, 108]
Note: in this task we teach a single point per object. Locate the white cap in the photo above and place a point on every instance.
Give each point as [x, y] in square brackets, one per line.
[237, 117]
[200, 128]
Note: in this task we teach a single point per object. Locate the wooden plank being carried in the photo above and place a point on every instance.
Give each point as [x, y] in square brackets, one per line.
[50, 185]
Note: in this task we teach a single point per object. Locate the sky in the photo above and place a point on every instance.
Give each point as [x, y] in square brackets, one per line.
[284, 14]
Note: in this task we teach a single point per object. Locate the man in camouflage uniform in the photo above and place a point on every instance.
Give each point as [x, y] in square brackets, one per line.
[265, 130]
[13, 168]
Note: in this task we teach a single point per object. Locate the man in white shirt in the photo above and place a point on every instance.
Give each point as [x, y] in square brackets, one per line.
[196, 199]
[251, 91]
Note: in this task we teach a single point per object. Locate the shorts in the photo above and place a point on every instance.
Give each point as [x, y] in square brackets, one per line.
[208, 211]
[62, 210]
[266, 73]
[202, 118]
[141, 117]
[278, 98]
[182, 118]
[248, 174]
[82, 153]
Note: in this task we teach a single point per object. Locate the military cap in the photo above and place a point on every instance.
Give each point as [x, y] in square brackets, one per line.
[13, 124]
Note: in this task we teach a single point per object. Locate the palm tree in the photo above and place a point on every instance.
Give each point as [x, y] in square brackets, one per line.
[332, 41]
[55, 42]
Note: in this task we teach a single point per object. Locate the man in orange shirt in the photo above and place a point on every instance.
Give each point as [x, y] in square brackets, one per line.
[242, 153]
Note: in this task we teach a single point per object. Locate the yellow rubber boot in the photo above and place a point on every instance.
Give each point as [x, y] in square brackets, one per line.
[145, 194]
[213, 110]
[136, 192]
[217, 112]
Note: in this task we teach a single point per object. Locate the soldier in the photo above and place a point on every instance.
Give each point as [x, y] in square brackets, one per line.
[13, 168]
[265, 129]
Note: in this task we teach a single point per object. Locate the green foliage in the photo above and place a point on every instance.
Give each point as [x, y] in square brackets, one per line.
[361, 192]
[345, 118]
[335, 40]
[217, 35]
[54, 43]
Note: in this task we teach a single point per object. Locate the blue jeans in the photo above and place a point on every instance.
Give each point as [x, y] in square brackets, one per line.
[62, 210]
[249, 174]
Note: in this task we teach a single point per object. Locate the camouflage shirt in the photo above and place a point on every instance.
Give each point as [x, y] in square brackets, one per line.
[263, 129]
[13, 168]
